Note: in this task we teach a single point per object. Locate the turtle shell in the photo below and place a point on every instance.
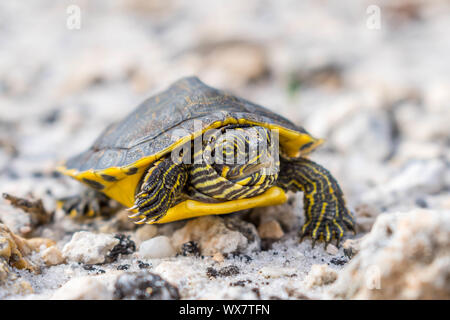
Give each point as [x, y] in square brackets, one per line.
[159, 124]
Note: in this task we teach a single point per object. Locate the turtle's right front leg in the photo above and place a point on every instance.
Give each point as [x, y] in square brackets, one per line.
[159, 190]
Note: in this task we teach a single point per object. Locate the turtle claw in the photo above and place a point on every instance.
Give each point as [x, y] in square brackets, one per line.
[131, 209]
[326, 231]
[132, 216]
[302, 237]
[332, 225]
[140, 194]
[338, 242]
[142, 221]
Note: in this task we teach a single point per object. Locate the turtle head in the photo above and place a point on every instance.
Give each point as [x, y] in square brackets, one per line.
[242, 151]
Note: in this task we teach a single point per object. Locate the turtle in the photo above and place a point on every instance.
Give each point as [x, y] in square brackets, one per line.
[193, 150]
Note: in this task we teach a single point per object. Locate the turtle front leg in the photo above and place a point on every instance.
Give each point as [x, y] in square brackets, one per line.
[159, 190]
[326, 213]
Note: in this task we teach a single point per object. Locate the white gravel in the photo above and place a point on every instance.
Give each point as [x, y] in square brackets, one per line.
[157, 247]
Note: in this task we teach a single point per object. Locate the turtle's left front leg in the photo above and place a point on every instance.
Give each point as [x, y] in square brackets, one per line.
[326, 213]
[159, 190]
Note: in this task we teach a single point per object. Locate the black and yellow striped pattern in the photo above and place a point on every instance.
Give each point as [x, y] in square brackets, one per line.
[326, 213]
[249, 174]
[159, 190]
[206, 181]
[240, 170]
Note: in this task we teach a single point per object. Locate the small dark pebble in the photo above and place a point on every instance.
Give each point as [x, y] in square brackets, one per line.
[228, 271]
[56, 174]
[143, 265]
[339, 261]
[256, 291]
[37, 174]
[349, 252]
[41, 174]
[241, 257]
[211, 272]
[240, 283]
[421, 202]
[52, 116]
[224, 272]
[11, 174]
[190, 249]
[125, 246]
[144, 286]
[91, 267]
[123, 267]
[266, 244]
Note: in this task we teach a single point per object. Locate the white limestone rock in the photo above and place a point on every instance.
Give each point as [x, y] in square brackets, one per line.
[320, 275]
[216, 234]
[405, 256]
[86, 288]
[89, 248]
[157, 247]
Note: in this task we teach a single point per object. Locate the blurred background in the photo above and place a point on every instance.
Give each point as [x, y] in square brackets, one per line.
[371, 77]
